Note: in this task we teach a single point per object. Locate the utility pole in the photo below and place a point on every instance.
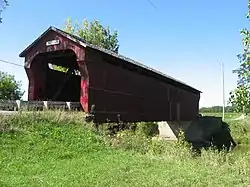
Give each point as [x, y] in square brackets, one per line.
[223, 91]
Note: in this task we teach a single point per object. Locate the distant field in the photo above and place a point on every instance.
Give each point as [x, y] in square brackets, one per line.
[227, 115]
[58, 149]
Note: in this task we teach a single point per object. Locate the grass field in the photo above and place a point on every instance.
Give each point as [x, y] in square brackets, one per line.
[227, 115]
[58, 149]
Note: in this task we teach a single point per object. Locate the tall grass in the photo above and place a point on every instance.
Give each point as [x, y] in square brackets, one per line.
[60, 149]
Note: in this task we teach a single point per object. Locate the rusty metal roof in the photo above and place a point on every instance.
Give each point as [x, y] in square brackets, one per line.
[84, 43]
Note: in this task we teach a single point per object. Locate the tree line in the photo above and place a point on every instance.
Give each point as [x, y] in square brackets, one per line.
[217, 109]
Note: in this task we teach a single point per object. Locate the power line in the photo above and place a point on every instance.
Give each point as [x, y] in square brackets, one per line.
[152, 4]
[7, 62]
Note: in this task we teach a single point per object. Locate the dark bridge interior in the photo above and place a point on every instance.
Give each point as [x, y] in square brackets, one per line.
[55, 85]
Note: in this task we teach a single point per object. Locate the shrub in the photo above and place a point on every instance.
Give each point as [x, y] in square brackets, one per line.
[129, 140]
[148, 129]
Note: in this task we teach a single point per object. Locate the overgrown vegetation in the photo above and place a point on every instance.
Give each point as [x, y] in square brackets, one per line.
[59, 149]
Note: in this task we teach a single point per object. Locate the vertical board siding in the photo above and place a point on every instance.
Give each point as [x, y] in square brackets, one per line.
[116, 90]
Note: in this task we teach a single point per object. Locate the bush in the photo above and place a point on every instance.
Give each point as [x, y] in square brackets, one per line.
[111, 129]
[148, 129]
[241, 130]
[129, 140]
[130, 136]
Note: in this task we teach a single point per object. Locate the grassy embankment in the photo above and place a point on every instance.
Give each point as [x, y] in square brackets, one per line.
[58, 149]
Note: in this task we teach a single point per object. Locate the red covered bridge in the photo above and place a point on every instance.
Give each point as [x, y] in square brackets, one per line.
[113, 83]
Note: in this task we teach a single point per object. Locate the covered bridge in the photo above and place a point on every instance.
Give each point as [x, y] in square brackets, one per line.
[112, 83]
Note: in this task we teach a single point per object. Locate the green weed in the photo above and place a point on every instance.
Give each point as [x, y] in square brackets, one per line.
[60, 149]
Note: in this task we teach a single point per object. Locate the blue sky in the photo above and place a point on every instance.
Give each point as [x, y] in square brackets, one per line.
[184, 39]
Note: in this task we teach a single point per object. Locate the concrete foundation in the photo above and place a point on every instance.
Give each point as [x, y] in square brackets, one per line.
[170, 130]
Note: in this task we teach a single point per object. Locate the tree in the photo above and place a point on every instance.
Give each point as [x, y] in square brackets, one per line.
[3, 5]
[92, 32]
[240, 97]
[10, 89]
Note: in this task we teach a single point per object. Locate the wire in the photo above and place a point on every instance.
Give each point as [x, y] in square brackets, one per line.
[152, 4]
[7, 62]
